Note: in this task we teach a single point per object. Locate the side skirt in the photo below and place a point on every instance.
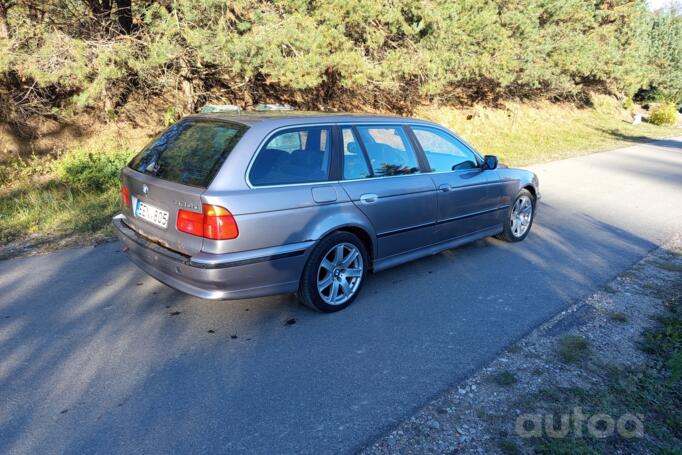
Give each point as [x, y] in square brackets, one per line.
[392, 261]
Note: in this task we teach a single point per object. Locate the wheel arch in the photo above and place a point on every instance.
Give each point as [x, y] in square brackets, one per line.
[531, 189]
[360, 232]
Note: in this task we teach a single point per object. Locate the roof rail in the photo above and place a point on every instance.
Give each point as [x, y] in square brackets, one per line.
[273, 107]
[207, 108]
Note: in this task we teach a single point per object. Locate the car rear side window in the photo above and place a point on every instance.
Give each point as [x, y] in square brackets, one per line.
[354, 162]
[443, 152]
[389, 151]
[190, 152]
[300, 155]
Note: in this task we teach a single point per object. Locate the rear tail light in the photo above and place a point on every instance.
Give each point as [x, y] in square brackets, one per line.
[219, 224]
[125, 195]
[215, 223]
[190, 222]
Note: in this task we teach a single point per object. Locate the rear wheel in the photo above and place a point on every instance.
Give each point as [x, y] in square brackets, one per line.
[519, 218]
[334, 273]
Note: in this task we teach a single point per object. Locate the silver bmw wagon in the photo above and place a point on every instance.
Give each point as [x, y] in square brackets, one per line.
[227, 206]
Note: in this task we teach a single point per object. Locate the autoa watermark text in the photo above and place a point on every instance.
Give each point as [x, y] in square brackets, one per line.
[598, 426]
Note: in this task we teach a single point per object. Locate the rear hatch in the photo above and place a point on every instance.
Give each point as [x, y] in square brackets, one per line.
[171, 174]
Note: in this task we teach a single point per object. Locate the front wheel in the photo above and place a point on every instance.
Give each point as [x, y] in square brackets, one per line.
[334, 273]
[519, 218]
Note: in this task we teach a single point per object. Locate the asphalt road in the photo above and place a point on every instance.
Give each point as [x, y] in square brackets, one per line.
[97, 357]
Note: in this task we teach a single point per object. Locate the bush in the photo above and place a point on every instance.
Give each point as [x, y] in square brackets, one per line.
[89, 171]
[664, 114]
[628, 104]
[573, 348]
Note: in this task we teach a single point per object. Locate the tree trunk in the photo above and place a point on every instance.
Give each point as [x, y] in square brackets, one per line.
[101, 9]
[188, 92]
[187, 86]
[124, 11]
[4, 26]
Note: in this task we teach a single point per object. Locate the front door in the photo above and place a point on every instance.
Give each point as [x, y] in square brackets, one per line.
[382, 176]
[468, 197]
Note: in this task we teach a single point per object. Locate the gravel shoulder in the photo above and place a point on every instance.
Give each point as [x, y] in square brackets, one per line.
[587, 359]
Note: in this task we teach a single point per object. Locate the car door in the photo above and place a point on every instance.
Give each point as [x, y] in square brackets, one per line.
[468, 196]
[384, 178]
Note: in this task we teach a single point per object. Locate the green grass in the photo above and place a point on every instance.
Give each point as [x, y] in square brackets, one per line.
[573, 348]
[508, 447]
[618, 316]
[514, 349]
[76, 194]
[504, 378]
[54, 210]
[670, 266]
[652, 392]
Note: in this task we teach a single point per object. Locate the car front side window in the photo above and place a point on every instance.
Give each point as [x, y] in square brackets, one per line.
[443, 152]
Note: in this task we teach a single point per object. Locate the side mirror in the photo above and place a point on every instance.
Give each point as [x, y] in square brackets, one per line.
[490, 162]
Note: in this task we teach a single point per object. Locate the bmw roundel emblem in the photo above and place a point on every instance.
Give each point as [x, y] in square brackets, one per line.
[145, 190]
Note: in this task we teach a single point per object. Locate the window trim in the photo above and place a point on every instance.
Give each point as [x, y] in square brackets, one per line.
[336, 172]
[330, 165]
[477, 155]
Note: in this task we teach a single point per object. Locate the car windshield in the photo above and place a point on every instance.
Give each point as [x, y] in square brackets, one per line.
[190, 152]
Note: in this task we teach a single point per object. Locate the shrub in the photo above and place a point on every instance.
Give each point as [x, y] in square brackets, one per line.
[504, 378]
[605, 104]
[628, 104]
[573, 348]
[663, 114]
[89, 171]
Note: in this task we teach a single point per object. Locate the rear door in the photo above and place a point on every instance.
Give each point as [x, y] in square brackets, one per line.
[467, 195]
[172, 173]
[383, 177]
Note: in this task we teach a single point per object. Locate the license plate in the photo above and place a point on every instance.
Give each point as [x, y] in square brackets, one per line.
[150, 213]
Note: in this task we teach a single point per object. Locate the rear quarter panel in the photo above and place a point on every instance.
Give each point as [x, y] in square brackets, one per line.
[274, 216]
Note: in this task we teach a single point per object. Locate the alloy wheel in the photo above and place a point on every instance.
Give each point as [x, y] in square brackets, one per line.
[339, 273]
[521, 216]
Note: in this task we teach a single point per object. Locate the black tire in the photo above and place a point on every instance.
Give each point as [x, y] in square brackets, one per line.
[508, 234]
[308, 292]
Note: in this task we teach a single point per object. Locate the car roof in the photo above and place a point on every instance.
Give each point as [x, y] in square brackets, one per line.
[286, 118]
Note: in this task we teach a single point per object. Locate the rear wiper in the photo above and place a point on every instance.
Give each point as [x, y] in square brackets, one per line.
[153, 168]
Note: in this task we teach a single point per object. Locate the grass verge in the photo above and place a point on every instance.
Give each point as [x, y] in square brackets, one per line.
[652, 393]
[523, 134]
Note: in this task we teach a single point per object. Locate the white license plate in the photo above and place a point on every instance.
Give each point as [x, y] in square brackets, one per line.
[150, 213]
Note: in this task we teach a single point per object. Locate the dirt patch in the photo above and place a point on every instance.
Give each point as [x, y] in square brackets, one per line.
[590, 360]
[42, 244]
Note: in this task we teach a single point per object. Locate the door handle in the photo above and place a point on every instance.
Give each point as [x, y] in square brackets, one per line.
[369, 198]
[444, 187]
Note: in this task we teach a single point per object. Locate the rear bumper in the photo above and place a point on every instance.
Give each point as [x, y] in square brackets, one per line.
[239, 275]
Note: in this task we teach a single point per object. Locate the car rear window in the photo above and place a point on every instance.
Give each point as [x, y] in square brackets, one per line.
[190, 152]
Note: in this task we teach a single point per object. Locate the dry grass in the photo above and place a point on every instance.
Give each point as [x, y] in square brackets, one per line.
[523, 134]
